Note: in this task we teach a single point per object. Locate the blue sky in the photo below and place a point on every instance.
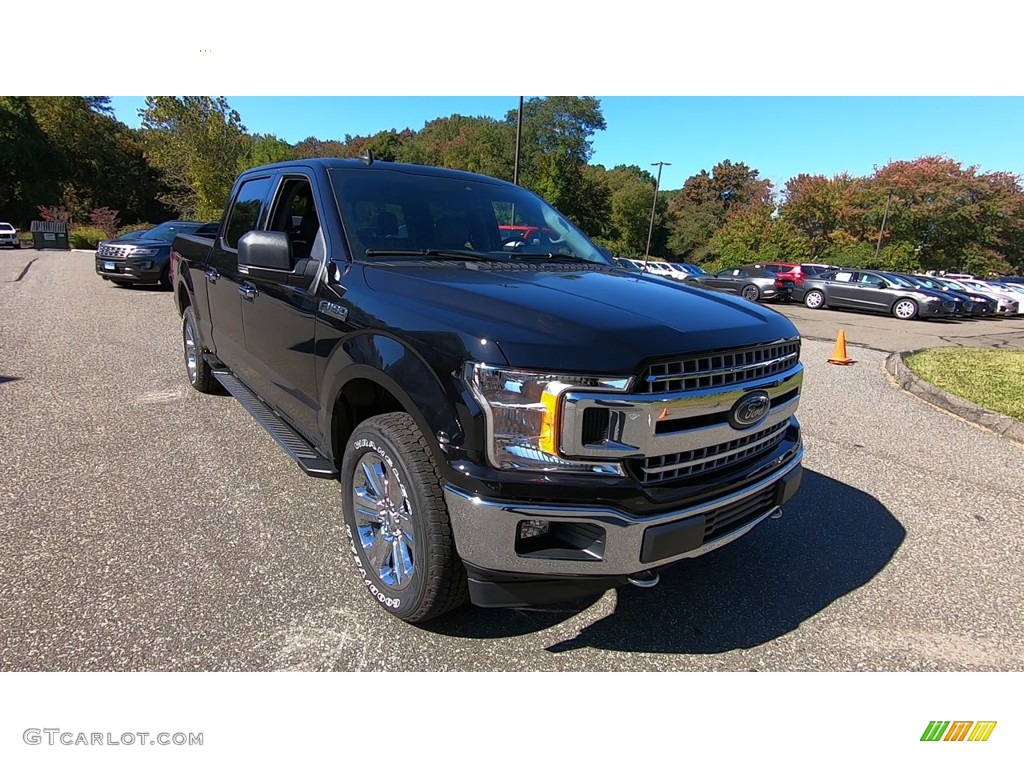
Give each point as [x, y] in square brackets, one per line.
[780, 136]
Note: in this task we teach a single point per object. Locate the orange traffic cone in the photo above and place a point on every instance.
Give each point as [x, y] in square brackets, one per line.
[839, 356]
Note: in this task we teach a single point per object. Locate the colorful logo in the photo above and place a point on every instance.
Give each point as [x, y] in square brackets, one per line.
[958, 730]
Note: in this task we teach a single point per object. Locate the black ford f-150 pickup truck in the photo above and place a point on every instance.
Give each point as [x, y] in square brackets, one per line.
[512, 421]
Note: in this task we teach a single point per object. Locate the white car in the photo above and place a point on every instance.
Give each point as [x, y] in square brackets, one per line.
[662, 269]
[9, 235]
[1007, 303]
[1011, 291]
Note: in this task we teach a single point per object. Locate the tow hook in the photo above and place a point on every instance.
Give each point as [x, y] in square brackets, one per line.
[644, 579]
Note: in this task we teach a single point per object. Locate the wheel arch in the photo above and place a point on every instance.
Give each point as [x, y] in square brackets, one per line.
[358, 384]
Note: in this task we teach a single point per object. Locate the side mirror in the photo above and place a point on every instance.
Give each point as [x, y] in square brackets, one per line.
[266, 250]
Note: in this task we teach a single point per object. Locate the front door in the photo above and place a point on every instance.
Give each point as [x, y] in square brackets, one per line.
[223, 280]
[280, 317]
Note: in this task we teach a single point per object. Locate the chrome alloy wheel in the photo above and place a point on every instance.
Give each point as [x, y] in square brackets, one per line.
[191, 355]
[814, 299]
[905, 309]
[383, 520]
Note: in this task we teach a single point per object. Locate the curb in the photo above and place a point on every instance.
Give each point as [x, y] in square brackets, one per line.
[1003, 425]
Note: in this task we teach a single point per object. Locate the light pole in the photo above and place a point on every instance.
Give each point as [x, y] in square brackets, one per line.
[654, 206]
[519, 140]
[881, 229]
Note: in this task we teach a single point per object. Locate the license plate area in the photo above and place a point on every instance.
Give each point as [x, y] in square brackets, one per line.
[109, 266]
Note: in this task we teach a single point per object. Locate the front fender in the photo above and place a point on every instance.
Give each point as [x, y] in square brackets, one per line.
[403, 373]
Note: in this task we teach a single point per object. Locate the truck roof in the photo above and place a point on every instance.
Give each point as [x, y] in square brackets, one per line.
[355, 163]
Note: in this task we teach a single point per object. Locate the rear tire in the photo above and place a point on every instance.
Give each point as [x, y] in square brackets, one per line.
[814, 299]
[199, 373]
[397, 522]
[750, 292]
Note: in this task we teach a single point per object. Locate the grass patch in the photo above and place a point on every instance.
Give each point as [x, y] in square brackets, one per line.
[993, 378]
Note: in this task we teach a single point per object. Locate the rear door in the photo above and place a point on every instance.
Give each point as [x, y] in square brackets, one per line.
[223, 279]
[842, 290]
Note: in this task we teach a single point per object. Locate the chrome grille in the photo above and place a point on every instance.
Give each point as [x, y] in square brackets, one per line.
[112, 252]
[721, 369]
[673, 466]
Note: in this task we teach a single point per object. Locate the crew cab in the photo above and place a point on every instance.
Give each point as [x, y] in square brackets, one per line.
[510, 423]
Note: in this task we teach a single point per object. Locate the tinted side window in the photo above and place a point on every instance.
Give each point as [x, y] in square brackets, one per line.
[245, 214]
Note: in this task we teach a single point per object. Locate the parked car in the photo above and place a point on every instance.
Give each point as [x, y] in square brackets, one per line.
[662, 269]
[509, 426]
[691, 269]
[793, 272]
[1011, 279]
[975, 304]
[750, 282]
[1006, 305]
[872, 291]
[9, 235]
[962, 305]
[145, 259]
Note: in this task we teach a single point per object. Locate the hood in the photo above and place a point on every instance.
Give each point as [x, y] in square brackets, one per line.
[576, 318]
[142, 242]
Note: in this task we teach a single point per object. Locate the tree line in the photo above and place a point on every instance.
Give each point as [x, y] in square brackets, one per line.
[71, 156]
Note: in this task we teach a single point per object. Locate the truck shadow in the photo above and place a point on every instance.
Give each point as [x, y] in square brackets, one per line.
[831, 539]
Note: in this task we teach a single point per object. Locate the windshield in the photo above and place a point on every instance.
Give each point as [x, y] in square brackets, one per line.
[169, 230]
[6, 228]
[900, 280]
[390, 212]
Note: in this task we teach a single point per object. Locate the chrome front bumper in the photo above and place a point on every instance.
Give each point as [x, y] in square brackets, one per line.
[486, 531]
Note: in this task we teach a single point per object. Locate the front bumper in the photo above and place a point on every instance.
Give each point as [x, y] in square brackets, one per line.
[594, 542]
[142, 270]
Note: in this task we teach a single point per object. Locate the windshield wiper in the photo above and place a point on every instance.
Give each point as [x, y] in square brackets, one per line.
[429, 253]
[559, 257]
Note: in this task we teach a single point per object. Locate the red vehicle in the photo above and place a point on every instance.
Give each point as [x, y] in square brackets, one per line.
[526, 233]
[794, 272]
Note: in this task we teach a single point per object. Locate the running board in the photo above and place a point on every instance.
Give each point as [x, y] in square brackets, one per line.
[294, 444]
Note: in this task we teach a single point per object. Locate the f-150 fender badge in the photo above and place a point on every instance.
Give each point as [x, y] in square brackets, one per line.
[334, 310]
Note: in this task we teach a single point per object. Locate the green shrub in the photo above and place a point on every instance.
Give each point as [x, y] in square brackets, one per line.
[86, 237]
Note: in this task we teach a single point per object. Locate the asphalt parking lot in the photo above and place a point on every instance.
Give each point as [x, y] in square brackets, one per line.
[886, 333]
[144, 526]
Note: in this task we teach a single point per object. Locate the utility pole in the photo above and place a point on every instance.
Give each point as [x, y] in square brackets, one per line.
[881, 229]
[654, 206]
[519, 140]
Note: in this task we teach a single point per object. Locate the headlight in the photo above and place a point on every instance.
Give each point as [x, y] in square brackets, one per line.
[523, 413]
[928, 297]
[137, 252]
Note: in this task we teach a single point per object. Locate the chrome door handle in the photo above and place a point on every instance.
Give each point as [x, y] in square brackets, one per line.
[248, 291]
[212, 275]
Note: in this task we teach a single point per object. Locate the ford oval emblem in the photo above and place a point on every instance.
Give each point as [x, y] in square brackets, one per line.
[751, 409]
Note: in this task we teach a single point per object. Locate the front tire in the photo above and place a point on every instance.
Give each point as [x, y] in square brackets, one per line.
[397, 521]
[905, 309]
